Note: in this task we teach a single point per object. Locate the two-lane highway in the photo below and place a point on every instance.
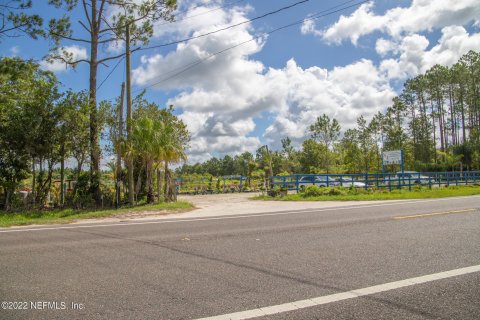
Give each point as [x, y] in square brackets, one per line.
[409, 260]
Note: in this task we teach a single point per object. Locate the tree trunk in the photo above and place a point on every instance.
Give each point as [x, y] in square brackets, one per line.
[38, 192]
[165, 183]
[62, 175]
[170, 192]
[129, 117]
[94, 127]
[49, 179]
[150, 195]
[463, 125]
[159, 183]
[434, 134]
[119, 149]
[34, 181]
[440, 123]
[77, 174]
[8, 196]
[138, 186]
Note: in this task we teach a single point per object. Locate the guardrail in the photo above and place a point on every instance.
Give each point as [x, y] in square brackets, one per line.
[408, 180]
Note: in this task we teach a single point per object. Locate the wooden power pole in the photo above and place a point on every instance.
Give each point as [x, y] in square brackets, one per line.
[131, 195]
[119, 147]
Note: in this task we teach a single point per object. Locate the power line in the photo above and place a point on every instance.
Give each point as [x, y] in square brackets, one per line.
[209, 33]
[225, 28]
[115, 67]
[315, 16]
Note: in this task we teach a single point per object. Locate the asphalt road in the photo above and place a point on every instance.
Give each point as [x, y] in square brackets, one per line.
[195, 268]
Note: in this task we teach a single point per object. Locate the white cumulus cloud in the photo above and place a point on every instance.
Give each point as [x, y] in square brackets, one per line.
[412, 55]
[420, 16]
[221, 98]
[76, 52]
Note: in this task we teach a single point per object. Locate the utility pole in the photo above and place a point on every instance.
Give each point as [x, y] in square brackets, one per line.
[119, 147]
[131, 199]
[62, 175]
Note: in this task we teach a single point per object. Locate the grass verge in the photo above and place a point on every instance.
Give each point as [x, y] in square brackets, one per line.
[334, 194]
[71, 215]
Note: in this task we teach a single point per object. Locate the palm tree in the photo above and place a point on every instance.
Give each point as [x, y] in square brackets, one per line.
[172, 150]
[145, 140]
[159, 137]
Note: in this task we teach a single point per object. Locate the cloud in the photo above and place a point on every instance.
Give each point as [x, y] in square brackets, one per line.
[308, 27]
[14, 51]
[361, 22]
[221, 98]
[76, 53]
[343, 93]
[412, 56]
[420, 16]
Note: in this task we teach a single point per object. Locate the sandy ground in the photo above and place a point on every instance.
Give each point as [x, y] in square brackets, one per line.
[240, 203]
[227, 204]
[215, 205]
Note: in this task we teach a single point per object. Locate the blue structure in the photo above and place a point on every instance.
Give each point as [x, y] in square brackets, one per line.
[402, 179]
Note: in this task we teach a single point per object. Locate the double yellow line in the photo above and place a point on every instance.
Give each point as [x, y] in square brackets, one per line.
[435, 214]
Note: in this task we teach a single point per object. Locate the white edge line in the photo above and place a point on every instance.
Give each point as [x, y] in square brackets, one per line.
[301, 304]
[400, 202]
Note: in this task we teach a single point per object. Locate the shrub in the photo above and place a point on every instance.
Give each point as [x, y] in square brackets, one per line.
[335, 192]
[83, 197]
[417, 188]
[312, 191]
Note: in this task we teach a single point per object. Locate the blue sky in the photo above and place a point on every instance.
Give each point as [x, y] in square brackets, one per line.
[346, 64]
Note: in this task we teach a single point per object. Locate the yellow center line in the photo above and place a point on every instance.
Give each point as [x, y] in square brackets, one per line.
[434, 214]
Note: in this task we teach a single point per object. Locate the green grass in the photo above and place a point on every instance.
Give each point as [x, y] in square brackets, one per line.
[70, 215]
[361, 195]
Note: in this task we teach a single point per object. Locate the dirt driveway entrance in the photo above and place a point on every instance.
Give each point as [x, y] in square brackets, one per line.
[240, 203]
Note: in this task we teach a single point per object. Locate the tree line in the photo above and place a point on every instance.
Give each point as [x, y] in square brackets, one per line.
[435, 120]
[132, 22]
[43, 131]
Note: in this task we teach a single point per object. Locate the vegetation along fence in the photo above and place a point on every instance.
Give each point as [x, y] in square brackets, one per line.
[407, 179]
[298, 182]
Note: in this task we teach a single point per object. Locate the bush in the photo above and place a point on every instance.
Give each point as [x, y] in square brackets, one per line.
[335, 192]
[83, 197]
[312, 191]
[109, 196]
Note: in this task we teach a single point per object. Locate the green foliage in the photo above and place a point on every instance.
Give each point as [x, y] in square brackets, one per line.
[71, 215]
[316, 191]
[339, 194]
[311, 156]
[158, 137]
[15, 20]
[312, 191]
[28, 122]
[83, 197]
[326, 132]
